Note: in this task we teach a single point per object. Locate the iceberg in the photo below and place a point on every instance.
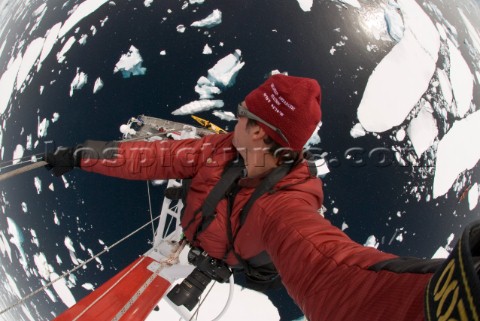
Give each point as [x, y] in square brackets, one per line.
[18, 154]
[78, 82]
[225, 71]
[206, 88]
[224, 115]
[214, 19]
[98, 85]
[198, 106]
[130, 64]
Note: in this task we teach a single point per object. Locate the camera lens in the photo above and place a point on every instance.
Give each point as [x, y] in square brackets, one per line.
[188, 292]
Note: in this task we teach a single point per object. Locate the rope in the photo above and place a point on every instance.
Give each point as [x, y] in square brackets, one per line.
[19, 159]
[108, 248]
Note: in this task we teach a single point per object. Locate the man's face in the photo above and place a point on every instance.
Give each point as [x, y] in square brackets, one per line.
[241, 137]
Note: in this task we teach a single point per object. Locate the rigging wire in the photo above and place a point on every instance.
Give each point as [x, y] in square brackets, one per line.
[106, 249]
[18, 159]
[150, 210]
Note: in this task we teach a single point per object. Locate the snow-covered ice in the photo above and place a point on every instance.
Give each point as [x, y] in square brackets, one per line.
[305, 5]
[457, 151]
[394, 21]
[462, 80]
[423, 130]
[214, 19]
[66, 47]
[473, 195]
[198, 106]
[7, 82]
[83, 10]
[403, 76]
[30, 56]
[224, 115]
[78, 82]
[226, 69]
[18, 154]
[98, 85]
[130, 64]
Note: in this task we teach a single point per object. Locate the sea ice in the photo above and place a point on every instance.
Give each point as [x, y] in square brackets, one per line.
[17, 239]
[214, 19]
[78, 82]
[445, 86]
[42, 127]
[422, 130]
[207, 50]
[224, 115]
[181, 28]
[206, 88]
[38, 184]
[55, 117]
[371, 242]
[462, 80]
[357, 131]
[24, 207]
[98, 85]
[130, 64]
[7, 82]
[457, 151]
[403, 76]
[394, 21]
[83, 10]
[30, 56]
[472, 31]
[66, 47]
[18, 154]
[5, 246]
[305, 5]
[62, 290]
[225, 71]
[198, 106]
[473, 195]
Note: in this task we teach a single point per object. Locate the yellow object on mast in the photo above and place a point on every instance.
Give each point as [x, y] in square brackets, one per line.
[209, 125]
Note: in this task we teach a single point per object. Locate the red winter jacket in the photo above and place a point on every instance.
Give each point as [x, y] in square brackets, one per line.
[324, 271]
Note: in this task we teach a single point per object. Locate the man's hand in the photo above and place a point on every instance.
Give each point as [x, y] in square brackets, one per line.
[62, 160]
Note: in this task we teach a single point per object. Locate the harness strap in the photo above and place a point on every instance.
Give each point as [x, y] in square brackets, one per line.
[231, 174]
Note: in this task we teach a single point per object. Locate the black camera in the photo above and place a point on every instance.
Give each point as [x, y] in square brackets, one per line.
[207, 269]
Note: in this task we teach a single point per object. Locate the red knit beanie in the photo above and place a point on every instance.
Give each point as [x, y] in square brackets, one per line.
[291, 104]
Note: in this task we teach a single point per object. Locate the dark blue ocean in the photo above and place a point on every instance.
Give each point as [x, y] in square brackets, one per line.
[271, 35]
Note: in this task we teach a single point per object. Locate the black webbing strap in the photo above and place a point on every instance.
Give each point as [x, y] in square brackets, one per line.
[265, 186]
[231, 174]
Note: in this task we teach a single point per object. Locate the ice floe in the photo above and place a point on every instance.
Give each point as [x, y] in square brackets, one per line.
[473, 195]
[225, 71]
[17, 239]
[30, 56]
[403, 76]
[62, 290]
[37, 182]
[224, 115]
[98, 85]
[423, 130]
[207, 50]
[18, 154]
[83, 10]
[462, 80]
[305, 5]
[214, 19]
[66, 47]
[395, 26]
[42, 127]
[198, 106]
[457, 151]
[130, 64]
[7, 82]
[78, 82]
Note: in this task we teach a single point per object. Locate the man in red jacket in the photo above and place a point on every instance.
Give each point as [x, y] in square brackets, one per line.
[328, 275]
